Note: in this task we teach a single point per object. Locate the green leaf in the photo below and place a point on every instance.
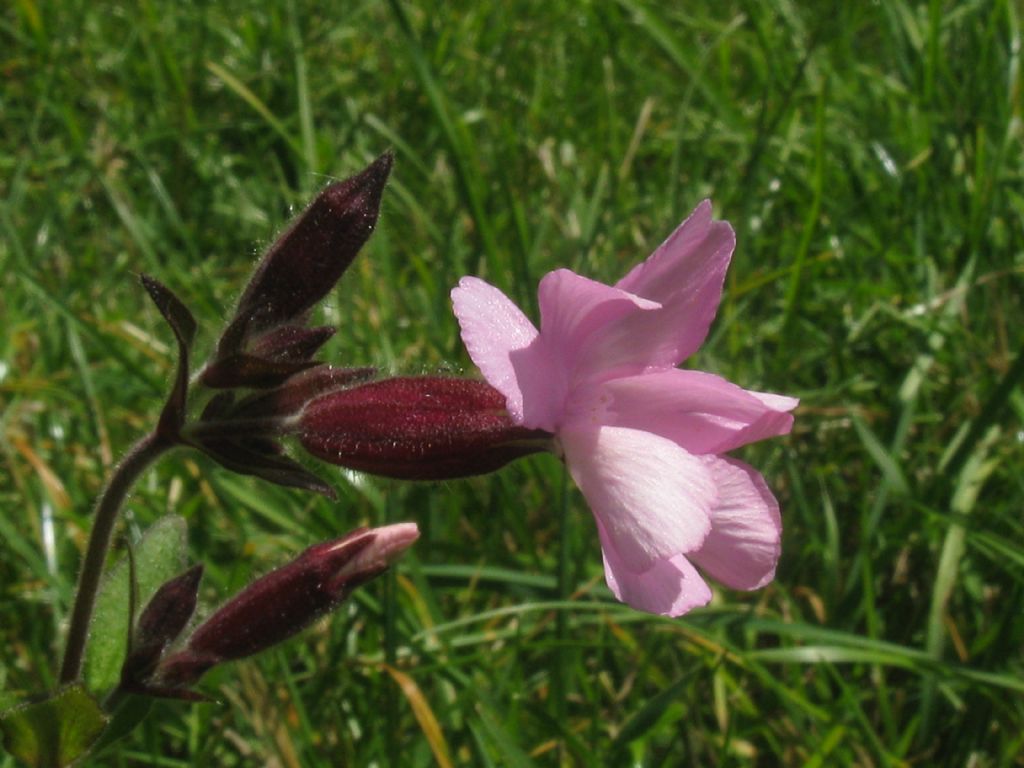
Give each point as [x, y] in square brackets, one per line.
[159, 556]
[54, 732]
[494, 735]
[886, 461]
[129, 712]
[644, 719]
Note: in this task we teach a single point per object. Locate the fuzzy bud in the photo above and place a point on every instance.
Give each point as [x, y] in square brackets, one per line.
[418, 428]
[286, 600]
[305, 262]
[161, 621]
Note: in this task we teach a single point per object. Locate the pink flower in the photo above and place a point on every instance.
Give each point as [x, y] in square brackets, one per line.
[642, 439]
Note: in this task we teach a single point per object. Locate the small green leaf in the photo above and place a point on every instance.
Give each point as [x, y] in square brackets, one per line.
[129, 712]
[54, 732]
[159, 556]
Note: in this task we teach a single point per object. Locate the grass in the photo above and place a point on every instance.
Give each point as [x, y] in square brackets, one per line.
[869, 157]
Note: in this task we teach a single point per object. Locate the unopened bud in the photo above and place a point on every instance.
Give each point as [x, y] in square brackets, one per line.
[161, 621]
[242, 433]
[419, 428]
[286, 600]
[303, 265]
[275, 357]
[292, 396]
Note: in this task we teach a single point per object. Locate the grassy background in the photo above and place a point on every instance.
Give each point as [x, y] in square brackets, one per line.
[869, 156]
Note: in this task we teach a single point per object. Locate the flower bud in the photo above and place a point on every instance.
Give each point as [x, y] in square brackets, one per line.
[420, 428]
[161, 621]
[286, 600]
[275, 357]
[242, 433]
[305, 262]
[291, 397]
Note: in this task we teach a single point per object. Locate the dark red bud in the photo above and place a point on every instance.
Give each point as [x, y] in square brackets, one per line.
[292, 396]
[421, 428]
[245, 370]
[292, 343]
[161, 621]
[305, 262]
[286, 600]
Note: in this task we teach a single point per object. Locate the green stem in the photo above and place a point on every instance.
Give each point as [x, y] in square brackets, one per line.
[141, 455]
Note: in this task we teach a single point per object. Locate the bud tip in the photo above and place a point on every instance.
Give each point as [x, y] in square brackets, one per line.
[387, 545]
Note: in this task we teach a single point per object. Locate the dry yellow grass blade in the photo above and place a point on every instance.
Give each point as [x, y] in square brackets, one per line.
[424, 715]
[54, 487]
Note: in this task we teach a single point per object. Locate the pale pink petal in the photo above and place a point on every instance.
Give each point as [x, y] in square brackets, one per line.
[581, 320]
[746, 530]
[774, 401]
[508, 350]
[701, 412]
[651, 497]
[685, 275]
[492, 328]
[670, 587]
[387, 545]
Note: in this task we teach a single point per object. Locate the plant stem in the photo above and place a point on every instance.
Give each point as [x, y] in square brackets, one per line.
[138, 458]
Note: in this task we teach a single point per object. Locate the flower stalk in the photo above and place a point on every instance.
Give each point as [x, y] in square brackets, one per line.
[139, 457]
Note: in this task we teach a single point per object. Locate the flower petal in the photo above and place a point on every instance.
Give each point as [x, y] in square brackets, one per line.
[746, 529]
[701, 412]
[774, 401]
[508, 350]
[670, 587]
[581, 323]
[651, 497]
[685, 275]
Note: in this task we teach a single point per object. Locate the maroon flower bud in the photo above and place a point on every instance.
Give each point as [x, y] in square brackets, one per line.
[422, 428]
[292, 342]
[286, 600]
[161, 621]
[275, 357]
[242, 434]
[305, 262]
[245, 370]
[292, 396]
